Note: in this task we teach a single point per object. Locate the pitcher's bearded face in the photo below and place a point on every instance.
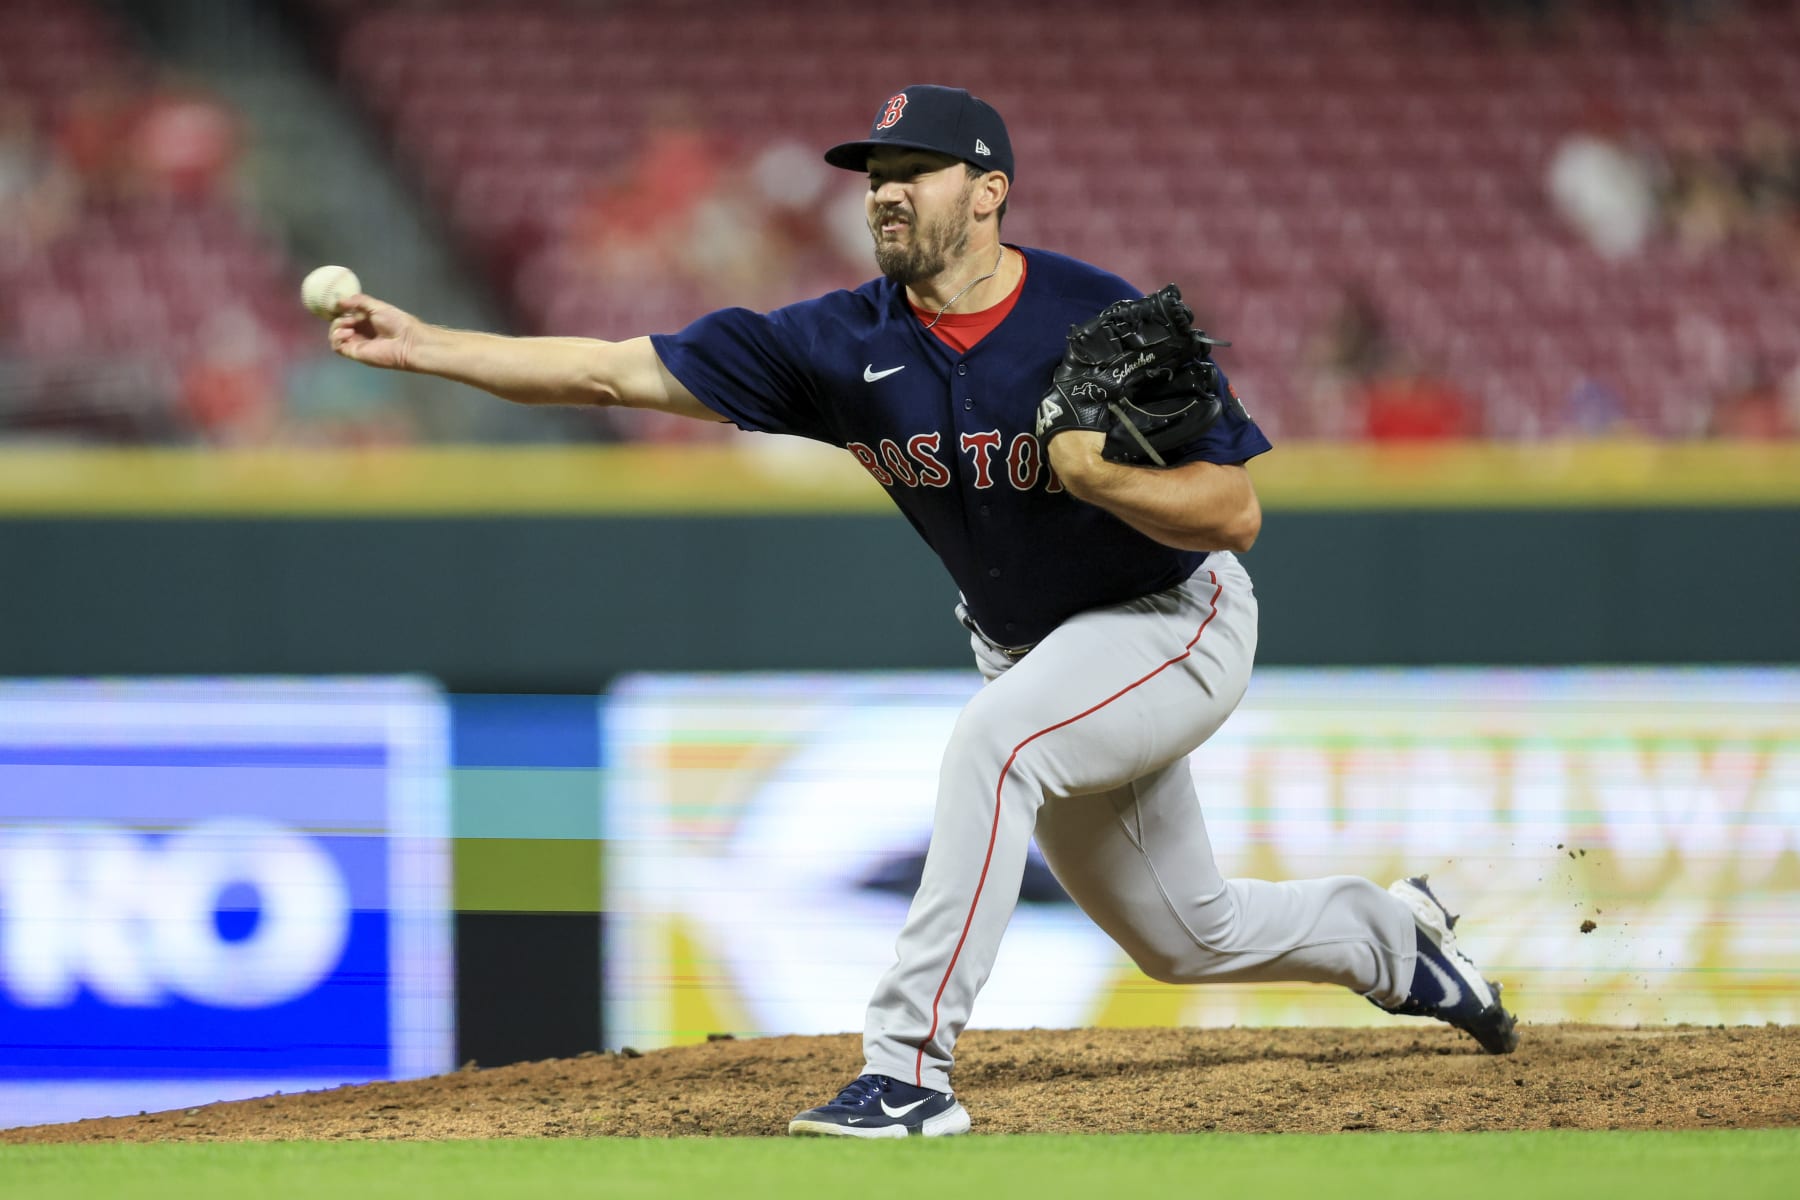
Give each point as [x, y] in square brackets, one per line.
[918, 212]
[910, 249]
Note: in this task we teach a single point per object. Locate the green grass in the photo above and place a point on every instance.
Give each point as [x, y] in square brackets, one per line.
[1744, 1165]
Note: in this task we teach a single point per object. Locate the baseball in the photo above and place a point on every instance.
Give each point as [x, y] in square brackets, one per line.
[326, 288]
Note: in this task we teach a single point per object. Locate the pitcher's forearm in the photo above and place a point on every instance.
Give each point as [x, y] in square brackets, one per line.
[1197, 506]
[537, 370]
[1201, 506]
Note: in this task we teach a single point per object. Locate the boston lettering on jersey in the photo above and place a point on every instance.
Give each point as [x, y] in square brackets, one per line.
[950, 434]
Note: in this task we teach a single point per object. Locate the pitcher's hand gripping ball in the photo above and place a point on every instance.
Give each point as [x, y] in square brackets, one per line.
[1139, 373]
[326, 289]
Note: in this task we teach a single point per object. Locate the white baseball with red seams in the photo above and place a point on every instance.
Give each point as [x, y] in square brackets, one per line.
[1084, 741]
[325, 289]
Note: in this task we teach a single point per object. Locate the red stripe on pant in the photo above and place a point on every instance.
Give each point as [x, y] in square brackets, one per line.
[994, 832]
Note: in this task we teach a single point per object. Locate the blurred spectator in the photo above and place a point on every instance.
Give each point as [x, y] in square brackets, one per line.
[94, 135]
[1757, 407]
[1749, 194]
[632, 224]
[126, 138]
[1769, 182]
[767, 233]
[1701, 199]
[1346, 354]
[37, 198]
[230, 393]
[1602, 185]
[1408, 404]
[1769, 169]
[21, 162]
[1356, 343]
[182, 144]
[726, 227]
[730, 249]
[1594, 408]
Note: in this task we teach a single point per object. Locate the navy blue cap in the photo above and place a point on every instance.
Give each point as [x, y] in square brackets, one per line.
[925, 116]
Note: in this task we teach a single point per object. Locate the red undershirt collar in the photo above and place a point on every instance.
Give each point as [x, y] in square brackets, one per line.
[960, 331]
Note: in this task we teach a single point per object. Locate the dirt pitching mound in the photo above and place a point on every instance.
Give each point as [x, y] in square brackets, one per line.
[1064, 1081]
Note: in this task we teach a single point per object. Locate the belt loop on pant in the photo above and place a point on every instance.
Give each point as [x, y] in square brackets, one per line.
[1012, 653]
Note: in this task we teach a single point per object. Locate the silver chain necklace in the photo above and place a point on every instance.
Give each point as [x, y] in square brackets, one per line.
[998, 259]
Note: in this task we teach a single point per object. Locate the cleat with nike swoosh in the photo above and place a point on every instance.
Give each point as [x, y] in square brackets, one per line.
[879, 1106]
[1446, 984]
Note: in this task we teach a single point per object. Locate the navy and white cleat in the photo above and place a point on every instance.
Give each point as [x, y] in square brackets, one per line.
[877, 1106]
[1445, 984]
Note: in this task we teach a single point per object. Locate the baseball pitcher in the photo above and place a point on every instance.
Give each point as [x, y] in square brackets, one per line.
[1078, 461]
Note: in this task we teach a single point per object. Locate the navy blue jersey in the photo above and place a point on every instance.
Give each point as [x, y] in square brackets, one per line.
[950, 435]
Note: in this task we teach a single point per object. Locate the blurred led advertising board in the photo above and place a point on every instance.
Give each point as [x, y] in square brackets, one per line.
[765, 833]
[212, 889]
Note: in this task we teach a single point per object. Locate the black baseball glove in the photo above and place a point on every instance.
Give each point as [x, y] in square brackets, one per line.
[1139, 373]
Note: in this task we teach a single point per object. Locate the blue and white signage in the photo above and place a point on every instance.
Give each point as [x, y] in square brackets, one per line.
[212, 889]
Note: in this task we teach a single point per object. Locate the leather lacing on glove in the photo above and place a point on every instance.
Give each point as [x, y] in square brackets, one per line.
[1140, 373]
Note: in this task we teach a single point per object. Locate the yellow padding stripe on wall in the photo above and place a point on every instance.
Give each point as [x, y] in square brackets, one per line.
[786, 476]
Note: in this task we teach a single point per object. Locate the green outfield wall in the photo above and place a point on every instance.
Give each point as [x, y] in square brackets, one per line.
[553, 571]
[533, 571]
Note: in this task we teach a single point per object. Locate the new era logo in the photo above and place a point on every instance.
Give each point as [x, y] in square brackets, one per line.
[981, 147]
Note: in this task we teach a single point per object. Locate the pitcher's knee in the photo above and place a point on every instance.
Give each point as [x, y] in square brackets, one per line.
[1215, 922]
[1168, 968]
[1183, 960]
[1199, 947]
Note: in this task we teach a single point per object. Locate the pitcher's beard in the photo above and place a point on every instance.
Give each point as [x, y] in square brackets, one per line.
[923, 257]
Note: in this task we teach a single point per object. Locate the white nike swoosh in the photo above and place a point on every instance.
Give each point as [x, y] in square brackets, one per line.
[1452, 990]
[870, 374]
[901, 1112]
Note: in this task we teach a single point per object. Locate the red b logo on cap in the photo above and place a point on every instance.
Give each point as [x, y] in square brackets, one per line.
[890, 116]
